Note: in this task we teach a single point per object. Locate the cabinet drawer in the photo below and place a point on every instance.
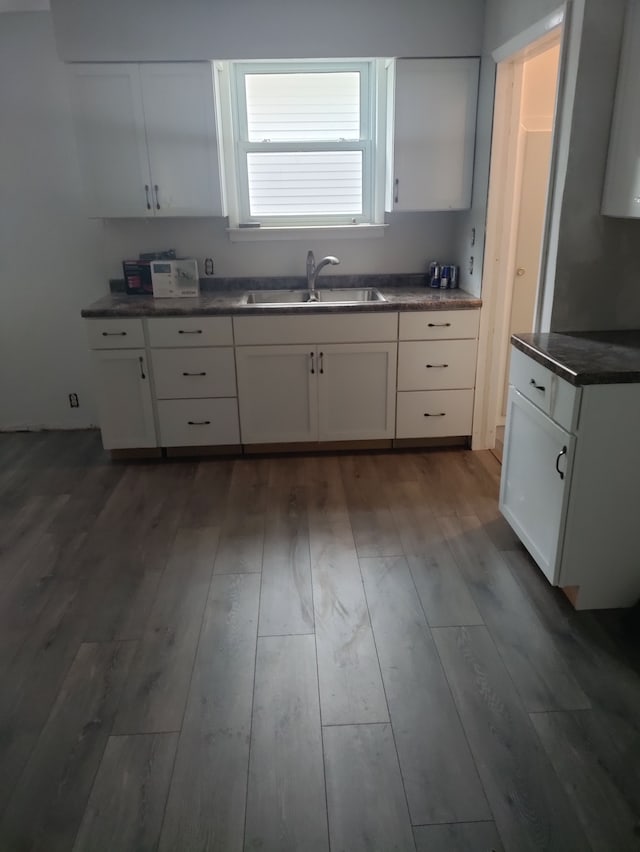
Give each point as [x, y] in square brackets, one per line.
[553, 395]
[439, 325]
[436, 364]
[115, 333]
[198, 422]
[330, 328]
[434, 414]
[190, 331]
[192, 373]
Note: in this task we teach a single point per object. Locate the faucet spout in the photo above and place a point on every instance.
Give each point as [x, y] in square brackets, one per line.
[313, 270]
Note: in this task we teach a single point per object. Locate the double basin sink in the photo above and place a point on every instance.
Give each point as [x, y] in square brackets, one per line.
[303, 298]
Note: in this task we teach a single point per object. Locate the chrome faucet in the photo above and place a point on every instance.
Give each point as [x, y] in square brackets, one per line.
[313, 271]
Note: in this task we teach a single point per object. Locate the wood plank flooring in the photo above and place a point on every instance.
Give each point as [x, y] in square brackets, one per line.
[324, 652]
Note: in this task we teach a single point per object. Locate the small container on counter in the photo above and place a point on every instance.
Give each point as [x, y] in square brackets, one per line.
[434, 274]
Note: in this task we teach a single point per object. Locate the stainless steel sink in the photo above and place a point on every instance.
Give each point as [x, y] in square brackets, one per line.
[346, 296]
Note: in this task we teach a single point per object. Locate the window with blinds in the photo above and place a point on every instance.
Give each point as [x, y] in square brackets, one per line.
[304, 142]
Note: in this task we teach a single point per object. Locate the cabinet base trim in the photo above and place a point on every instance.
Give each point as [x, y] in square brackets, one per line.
[225, 450]
[136, 453]
[319, 446]
[446, 441]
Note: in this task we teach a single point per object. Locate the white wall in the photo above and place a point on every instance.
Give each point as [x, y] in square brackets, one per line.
[117, 30]
[47, 248]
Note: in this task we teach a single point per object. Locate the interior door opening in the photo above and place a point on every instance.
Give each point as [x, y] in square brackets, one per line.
[531, 80]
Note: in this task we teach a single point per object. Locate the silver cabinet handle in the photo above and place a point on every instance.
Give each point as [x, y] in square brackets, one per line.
[540, 388]
[313, 369]
[396, 194]
[321, 363]
[190, 331]
[435, 366]
[157, 191]
[146, 192]
[442, 414]
[195, 374]
[438, 324]
[199, 422]
[562, 452]
[114, 333]
[141, 361]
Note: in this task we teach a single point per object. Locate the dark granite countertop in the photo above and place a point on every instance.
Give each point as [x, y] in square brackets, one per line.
[226, 296]
[586, 357]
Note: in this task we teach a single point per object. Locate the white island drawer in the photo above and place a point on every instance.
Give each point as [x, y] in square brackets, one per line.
[190, 331]
[439, 325]
[553, 395]
[198, 422]
[436, 364]
[434, 414]
[194, 372]
[115, 333]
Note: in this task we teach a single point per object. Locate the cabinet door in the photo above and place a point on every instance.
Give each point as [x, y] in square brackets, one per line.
[179, 117]
[124, 399]
[110, 135]
[535, 482]
[433, 140]
[277, 393]
[356, 391]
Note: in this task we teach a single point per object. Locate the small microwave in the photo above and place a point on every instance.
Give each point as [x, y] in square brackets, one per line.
[175, 278]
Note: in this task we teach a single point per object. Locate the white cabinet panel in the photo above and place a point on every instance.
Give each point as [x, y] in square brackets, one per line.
[356, 391]
[146, 139]
[178, 103]
[190, 331]
[277, 393]
[536, 474]
[115, 333]
[439, 325]
[330, 328]
[549, 392]
[434, 414]
[436, 364]
[433, 144]
[123, 393]
[110, 135]
[194, 373]
[198, 422]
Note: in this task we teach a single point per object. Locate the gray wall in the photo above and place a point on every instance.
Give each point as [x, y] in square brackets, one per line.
[47, 248]
[117, 30]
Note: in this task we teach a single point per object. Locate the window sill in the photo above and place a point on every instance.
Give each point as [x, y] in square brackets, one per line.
[306, 232]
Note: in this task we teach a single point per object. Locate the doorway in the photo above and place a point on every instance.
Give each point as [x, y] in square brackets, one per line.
[534, 77]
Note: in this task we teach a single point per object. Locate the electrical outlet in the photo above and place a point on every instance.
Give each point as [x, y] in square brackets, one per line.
[73, 400]
[471, 265]
[473, 236]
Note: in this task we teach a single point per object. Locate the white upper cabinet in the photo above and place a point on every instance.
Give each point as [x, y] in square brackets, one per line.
[146, 139]
[431, 162]
[622, 182]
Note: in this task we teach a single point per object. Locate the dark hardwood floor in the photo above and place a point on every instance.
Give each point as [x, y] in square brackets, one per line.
[327, 652]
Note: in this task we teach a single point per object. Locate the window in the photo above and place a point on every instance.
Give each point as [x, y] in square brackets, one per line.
[302, 143]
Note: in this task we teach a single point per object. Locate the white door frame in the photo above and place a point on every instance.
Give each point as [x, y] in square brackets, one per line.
[501, 200]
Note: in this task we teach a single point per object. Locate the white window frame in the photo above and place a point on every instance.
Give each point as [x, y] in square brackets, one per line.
[234, 147]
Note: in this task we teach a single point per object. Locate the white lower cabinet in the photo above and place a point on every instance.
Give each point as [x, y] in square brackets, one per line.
[123, 394]
[316, 391]
[198, 422]
[570, 487]
[536, 472]
[356, 390]
[277, 394]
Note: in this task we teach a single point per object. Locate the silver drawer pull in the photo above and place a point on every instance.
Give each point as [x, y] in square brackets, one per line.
[442, 414]
[438, 324]
[199, 422]
[433, 366]
[541, 388]
[114, 333]
[190, 331]
[194, 374]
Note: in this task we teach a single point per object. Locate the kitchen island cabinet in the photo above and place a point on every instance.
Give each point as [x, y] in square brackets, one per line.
[570, 486]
